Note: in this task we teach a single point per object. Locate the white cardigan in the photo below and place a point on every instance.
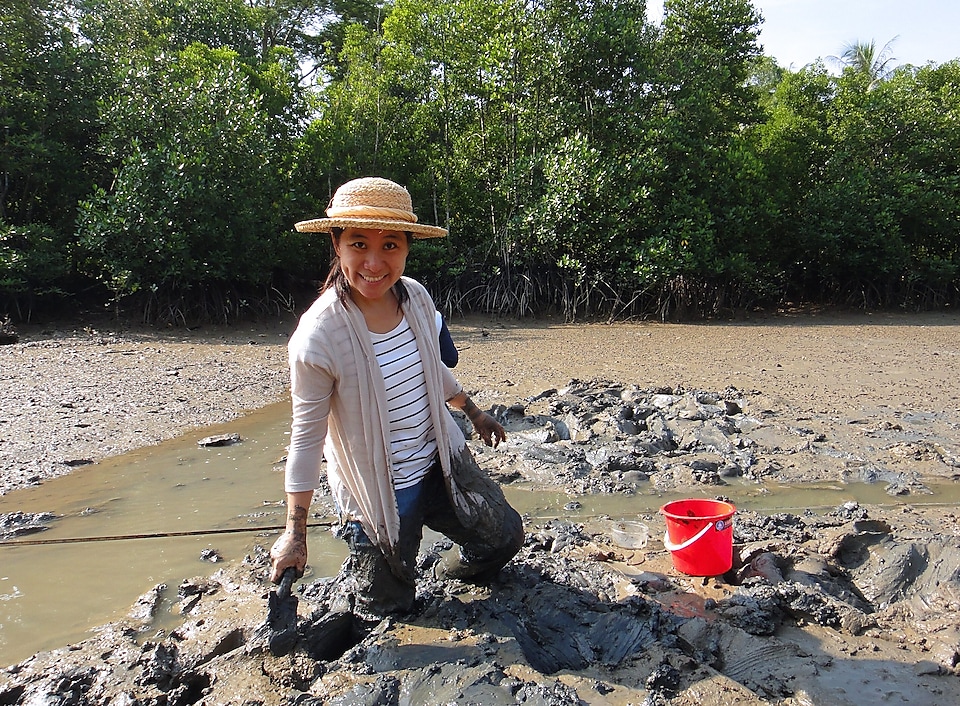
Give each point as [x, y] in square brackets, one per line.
[339, 411]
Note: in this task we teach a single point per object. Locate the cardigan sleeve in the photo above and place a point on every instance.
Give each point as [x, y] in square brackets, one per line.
[451, 386]
[312, 386]
[311, 389]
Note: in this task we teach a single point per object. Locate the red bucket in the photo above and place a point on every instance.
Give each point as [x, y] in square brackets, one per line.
[699, 536]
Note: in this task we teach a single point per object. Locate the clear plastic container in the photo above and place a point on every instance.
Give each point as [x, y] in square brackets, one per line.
[629, 535]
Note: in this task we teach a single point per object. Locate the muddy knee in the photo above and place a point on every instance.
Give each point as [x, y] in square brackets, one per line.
[376, 588]
[483, 561]
[368, 576]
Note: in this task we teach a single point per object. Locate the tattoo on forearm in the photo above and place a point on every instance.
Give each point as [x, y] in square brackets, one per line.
[297, 521]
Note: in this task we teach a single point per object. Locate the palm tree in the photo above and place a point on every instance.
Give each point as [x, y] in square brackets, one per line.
[863, 58]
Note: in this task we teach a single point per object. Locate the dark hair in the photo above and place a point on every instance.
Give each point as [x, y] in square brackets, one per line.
[336, 279]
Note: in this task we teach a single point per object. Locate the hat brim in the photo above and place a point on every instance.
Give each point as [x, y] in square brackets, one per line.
[324, 225]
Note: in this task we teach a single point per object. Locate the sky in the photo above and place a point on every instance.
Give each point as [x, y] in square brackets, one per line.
[798, 32]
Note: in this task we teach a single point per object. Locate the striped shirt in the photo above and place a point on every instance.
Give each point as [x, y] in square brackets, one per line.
[413, 442]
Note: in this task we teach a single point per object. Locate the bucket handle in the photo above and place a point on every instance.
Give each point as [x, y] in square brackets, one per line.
[686, 543]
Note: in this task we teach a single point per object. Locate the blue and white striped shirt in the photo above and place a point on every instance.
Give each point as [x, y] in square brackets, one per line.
[413, 442]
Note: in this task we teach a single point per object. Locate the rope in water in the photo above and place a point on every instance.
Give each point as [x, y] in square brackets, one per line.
[328, 523]
[190, 533]
[149, 535]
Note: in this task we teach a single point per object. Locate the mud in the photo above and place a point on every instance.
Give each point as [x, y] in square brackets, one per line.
[607, 437]
[573, 619]
[847, 605]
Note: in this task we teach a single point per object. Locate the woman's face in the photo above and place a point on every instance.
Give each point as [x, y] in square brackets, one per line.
[372, 260]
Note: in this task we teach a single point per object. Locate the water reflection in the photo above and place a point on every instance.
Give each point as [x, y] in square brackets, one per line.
[52, 594]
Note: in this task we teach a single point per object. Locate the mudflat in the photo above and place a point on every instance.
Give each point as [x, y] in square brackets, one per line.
[857, 604]
[79, 392]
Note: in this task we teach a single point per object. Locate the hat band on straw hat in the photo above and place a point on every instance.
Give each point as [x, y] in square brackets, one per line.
[371, 212]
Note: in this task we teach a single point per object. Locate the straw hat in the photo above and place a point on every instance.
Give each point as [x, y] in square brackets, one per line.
[371, 202]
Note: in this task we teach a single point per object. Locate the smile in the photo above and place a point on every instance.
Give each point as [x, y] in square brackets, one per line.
[372, 280]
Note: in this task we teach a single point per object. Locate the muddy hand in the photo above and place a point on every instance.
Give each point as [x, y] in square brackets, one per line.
[489, 429]
[289, 551]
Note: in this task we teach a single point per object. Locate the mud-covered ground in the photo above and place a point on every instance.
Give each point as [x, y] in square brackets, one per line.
[854, 604]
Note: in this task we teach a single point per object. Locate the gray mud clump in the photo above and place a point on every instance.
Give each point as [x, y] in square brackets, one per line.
[603, 437]
[850, 605]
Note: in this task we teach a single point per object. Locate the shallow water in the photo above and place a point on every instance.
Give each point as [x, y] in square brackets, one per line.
[52, 593]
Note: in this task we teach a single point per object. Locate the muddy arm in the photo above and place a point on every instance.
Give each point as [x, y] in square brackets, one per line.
[487, 427]
[290, 549]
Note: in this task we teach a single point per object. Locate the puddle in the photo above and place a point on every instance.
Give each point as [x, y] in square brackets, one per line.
[51, 594]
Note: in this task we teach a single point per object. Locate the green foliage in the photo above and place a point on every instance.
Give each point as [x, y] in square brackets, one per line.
[44, 114]
[584, 160]
[32, 261]
[879, 224]
[193, 195]
[700, 162]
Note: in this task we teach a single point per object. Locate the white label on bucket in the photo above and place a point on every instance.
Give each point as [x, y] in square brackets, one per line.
[720, 525]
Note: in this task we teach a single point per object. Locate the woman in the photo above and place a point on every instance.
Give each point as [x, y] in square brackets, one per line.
[369, 393]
